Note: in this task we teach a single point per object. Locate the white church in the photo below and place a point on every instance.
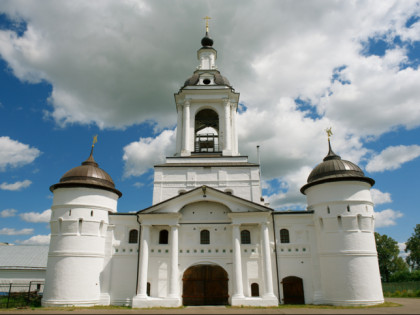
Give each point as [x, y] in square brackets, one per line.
[209, 238]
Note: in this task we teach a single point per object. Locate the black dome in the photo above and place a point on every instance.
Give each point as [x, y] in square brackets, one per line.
[333, 168]
[207, 41]
[87, 175]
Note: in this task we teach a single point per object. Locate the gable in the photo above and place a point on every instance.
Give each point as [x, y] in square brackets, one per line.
[201, 194]
[205, 211]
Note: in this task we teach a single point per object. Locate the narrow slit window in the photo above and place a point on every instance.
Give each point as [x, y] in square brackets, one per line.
[148, 289]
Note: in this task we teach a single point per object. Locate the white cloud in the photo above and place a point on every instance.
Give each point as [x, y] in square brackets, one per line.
[16, 186]
[141, 155]
[8, 231]
[36, 240]
[386, 218]
[15, 154]
[402, 253]
[6, 213]
[393, 157]
[36, 217]
[114, 70]
[380, 197]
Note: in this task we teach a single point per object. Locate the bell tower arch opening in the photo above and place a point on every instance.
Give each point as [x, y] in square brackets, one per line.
[206, 131]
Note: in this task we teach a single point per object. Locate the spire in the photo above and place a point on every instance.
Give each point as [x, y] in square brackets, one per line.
[90, 160]
[331, 155]
[207, 41]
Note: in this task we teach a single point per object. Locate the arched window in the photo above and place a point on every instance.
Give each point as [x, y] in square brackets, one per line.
[245, 237]
[133, 236]
[255, 289]
[204, 237]
[284, 236]
[163, 237]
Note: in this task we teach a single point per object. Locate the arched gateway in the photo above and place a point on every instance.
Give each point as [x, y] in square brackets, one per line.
[205, 285]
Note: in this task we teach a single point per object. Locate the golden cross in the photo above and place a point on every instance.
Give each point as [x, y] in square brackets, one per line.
[329, 132]
[207, 23]
[95, 139]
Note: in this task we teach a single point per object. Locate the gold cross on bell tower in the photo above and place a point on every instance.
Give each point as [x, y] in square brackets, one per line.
[207, 23]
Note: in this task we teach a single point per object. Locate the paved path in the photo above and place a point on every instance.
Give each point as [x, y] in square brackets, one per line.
[408, 306]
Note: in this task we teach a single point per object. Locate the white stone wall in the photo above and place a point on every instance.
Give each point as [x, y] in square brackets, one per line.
[241, 181]
[121, 266]
[296, 257]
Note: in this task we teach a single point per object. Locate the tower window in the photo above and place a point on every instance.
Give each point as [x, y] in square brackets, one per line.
[133, 237]
[284, 236]
[148, 289]
[206, 81]
[206, 130]
[245, 237]
[348, 208]
[204, 237]
[163, 237]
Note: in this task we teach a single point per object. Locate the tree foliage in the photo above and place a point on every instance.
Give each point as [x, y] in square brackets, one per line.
[413, 248]
[389, 261]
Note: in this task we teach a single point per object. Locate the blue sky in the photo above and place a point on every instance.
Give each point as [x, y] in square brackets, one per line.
[71, 70]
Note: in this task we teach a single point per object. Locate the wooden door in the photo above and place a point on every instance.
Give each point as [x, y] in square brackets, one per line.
[293, 290]
[205, 285]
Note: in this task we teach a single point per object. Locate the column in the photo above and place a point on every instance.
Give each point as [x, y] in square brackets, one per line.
[179, 129]
[237, 262]
[173, 281]
[144, 260]
[234, 134]
[228, 135]
[268, 274]
[186, 125]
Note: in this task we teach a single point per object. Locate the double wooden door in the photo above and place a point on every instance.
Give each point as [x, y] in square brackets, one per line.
[205, 285]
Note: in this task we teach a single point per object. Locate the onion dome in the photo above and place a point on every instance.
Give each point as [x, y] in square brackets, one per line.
[88, 174]
[334, 169]
[207, 41]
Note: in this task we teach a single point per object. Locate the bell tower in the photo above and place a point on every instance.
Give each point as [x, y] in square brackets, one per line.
[206, 137]
[207, 105]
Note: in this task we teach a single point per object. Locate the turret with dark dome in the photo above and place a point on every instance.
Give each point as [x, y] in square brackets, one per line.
[207, 55]
[333, 169]
[207, 41]
[88, 174]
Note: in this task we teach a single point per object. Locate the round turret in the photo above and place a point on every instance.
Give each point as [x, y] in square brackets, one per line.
[88, 174]
[83, 199]
[333, 169]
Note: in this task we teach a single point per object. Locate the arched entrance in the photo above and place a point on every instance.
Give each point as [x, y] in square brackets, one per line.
[205, 285]
[293, 290]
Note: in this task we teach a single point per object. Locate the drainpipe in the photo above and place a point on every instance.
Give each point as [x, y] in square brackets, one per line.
[275, 252]
[138, 256]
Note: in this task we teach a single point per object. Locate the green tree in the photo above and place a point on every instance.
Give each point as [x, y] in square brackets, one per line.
[412, 246]
[388, 251]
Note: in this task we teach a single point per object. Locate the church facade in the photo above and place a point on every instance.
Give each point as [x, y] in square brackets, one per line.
[209, 238]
